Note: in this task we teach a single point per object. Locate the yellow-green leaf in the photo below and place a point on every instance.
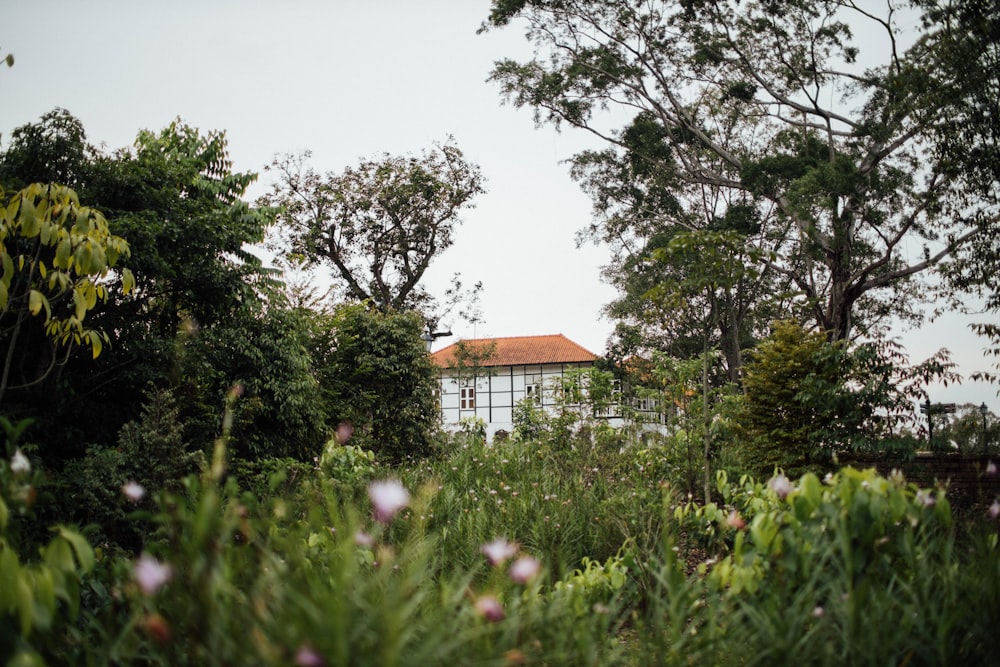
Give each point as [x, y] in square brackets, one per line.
[63, 251]
[35, 299]
[95, 342]
[128, 281]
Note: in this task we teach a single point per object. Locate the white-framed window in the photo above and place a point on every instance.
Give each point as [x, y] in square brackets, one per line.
[533, 387]
[467, 394]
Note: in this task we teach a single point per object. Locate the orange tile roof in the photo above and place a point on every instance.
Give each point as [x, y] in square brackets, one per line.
[520, 351]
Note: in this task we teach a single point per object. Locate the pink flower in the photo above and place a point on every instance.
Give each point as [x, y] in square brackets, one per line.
[388, 497]
[524, 569]
[925, 498]
[363, 539]
[489, 608]
[991, 468]
[734, 520]
[133, 491]
[307, 656]
[994, 510]
[499, 551]
[344, 432]
[151, 574]
[781, 486]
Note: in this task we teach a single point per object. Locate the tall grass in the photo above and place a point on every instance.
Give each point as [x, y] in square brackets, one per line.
[854, 569]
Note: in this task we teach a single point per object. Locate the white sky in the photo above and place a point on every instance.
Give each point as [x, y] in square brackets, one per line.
[348, 79]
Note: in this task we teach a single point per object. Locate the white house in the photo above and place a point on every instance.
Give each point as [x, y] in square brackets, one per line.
[487, 377]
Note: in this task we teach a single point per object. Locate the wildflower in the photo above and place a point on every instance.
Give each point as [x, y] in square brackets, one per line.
[734, 520]
[344, 432]
[307, 656]
[818, 611]
[151, 574]
[781, 486]
[524, 569]
[514, 656]
[925, 498]
[133, 491]
[157, 628]
[363, 539]
[991, 468]
[19, 463]
[387, 497]
[489, 608]
[499, 551]
[994, 510]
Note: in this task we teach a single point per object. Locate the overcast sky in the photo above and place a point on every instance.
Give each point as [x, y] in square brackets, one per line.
[347, 80]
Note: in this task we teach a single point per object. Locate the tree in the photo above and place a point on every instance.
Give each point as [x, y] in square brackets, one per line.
[380, 224]
[767, 100]
[56, 257]
[204, 313]
[381, 380]
[807, 398]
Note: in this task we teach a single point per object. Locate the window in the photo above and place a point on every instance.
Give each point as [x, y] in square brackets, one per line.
[533, 387]
[468, 398]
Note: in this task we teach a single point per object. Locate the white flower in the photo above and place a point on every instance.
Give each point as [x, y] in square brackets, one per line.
[363, 539]
[151, 574]
[994, 510]
[524, 569]
[499, 551]
[781, 486]
[388, 497]
[925, 498]
[133, 491]
[991, 468]
[19, 463]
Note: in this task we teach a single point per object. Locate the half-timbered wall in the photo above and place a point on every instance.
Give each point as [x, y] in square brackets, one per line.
[492, 396]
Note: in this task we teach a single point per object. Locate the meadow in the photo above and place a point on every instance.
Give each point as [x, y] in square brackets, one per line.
[520, 553]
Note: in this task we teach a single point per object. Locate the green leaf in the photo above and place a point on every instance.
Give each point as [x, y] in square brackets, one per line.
[25, 603]
[3, 295]
[10, 571]
[84, 552]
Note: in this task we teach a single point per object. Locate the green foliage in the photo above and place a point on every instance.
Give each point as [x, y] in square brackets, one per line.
[378, 225]
[381, 381]
[347, 465]
[56, 256]
[39, 588]
[150, 452]
[807, 399]
[810, 572]
[832, 172]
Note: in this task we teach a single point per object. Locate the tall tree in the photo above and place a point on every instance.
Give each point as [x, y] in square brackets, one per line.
[204, 313]
[768, 100]
[378, 225]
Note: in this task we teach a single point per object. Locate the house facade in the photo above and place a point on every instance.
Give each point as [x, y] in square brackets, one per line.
[487, 378]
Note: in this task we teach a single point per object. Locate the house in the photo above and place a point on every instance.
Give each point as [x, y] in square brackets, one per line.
[488, 377]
